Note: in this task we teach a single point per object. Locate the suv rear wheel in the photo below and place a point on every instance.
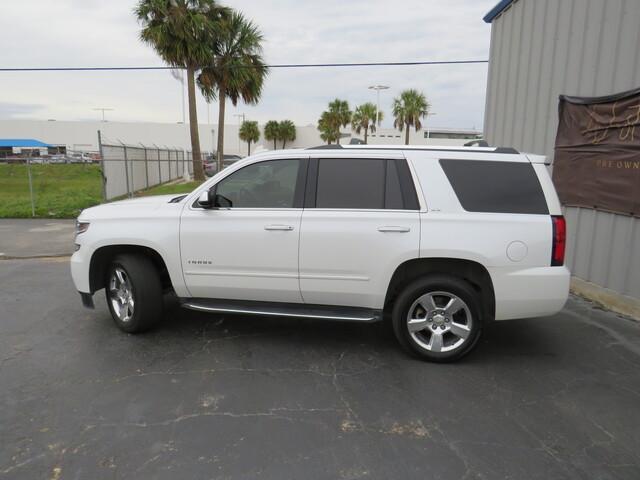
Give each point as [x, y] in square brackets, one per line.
[134, 293]
[438, 318]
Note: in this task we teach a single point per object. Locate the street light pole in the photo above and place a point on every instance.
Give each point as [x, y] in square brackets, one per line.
[429, 114]
[377, 88]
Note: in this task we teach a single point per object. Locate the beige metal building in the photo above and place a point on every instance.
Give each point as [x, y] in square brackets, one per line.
[541, 49]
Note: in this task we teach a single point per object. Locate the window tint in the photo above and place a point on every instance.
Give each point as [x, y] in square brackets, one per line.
[498, 187]
[269, 184]
[351, 183]
[393, 193]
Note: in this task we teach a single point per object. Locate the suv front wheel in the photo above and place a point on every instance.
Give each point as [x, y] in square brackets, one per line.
[438, 318]
[134, 293]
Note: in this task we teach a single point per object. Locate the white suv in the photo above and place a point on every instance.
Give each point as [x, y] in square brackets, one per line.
[439, 240]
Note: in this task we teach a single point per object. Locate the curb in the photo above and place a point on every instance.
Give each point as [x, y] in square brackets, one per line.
[609, 299]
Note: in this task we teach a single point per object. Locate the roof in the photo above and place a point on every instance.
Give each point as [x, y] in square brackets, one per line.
[497, 10]
[22, 142]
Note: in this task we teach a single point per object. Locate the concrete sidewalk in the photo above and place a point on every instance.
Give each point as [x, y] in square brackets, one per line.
[27, 238]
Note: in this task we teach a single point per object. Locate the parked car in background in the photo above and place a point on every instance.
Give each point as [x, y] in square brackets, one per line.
[58, 158]
[211, 166]
[80, 157]
[440, 241]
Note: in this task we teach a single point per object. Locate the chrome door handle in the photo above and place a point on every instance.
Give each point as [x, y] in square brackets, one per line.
[286, 228]
[394, 229]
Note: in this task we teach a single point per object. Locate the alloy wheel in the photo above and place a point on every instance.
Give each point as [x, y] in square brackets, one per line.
[439, 321]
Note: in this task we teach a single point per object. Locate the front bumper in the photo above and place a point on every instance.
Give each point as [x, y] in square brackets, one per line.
[80, 264]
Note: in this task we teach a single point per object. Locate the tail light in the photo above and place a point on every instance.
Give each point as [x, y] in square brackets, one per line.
[559, 240]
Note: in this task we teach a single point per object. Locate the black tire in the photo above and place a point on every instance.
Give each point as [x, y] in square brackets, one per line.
[451, 346]
[145, 290]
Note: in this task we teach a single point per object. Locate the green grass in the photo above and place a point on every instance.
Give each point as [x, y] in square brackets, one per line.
[169, 189]
[60, 191]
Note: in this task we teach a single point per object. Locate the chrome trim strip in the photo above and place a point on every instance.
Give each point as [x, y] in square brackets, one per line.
[221, 273]
[194, 306]
[334, 277]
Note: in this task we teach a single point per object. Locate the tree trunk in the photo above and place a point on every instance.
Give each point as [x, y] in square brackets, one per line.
[275, 147]
[366, 132]
[198, 172]
[406, 135]
[284, 142]
[249, 148]
[219, 154]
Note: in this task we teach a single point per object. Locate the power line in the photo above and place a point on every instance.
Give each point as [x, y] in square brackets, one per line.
[281, 65]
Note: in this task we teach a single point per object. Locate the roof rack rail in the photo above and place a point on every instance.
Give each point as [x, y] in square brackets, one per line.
[465, 148]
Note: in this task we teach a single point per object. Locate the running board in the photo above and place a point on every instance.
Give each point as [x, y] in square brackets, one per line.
[274, 309]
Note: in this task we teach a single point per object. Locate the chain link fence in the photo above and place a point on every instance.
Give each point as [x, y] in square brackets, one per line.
[127, 169]
[62, 183]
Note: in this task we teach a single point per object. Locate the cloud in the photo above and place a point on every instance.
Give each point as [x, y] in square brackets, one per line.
[93, 32]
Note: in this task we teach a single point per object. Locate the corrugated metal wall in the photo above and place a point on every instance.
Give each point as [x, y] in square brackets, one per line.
[539, 50]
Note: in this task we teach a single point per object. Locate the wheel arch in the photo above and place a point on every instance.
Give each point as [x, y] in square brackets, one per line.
[102, 257]
[473, 272]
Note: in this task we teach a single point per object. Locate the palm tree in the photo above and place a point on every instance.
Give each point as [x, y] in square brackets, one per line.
[237, 71]
[327, 129]
[272, 132]
[184, 34]
[408, 110]
[286, 132]
[250, 133]
[364, 118]
[340, 115]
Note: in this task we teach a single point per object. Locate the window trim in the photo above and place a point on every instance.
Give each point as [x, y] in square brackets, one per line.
[410, 200]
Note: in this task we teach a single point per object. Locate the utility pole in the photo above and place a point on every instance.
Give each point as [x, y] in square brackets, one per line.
[105, 109]
[377, 88]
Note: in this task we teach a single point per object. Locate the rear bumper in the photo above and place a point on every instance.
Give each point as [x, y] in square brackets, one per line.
[529, 292]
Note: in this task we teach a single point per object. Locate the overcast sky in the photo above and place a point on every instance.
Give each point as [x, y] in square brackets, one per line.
[37, 33]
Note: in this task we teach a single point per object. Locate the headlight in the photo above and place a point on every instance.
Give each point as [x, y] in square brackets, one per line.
[81, 227]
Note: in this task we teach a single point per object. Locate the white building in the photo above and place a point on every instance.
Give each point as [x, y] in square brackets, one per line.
[83, 136]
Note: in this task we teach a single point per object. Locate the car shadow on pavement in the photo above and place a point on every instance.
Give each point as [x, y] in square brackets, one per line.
[526, 338]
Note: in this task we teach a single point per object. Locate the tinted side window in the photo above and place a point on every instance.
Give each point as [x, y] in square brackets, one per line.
[495, 186]
[351, 183]
[270, 184]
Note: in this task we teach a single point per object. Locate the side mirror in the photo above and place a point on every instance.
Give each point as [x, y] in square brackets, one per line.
[205, 200]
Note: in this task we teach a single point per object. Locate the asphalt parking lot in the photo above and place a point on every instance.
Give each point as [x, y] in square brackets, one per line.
[223, 397]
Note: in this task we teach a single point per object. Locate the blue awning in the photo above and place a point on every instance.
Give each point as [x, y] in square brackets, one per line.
[23, 143]
[497, 10]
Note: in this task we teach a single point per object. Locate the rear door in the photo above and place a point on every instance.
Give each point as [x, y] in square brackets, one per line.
[361, 220]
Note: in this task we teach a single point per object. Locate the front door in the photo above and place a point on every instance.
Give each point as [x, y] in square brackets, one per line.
[248, 249]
